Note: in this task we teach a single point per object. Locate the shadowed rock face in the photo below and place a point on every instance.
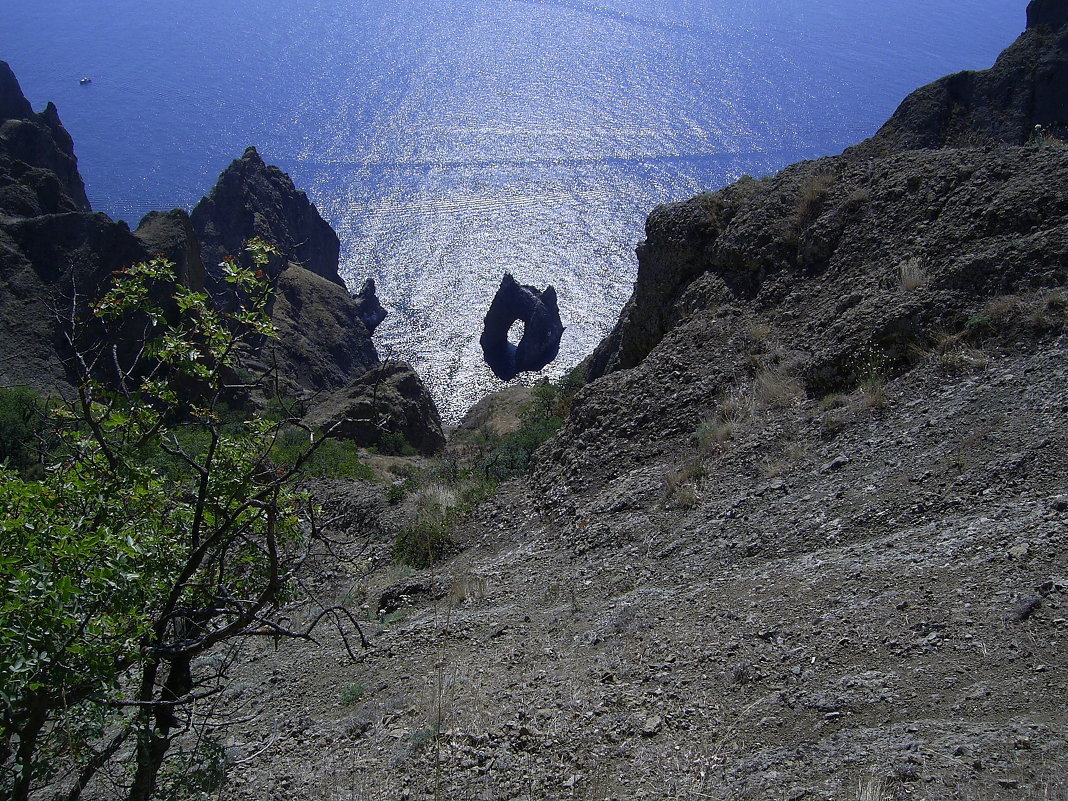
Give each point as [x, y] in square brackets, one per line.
[388, 399]
[542, 329]
[53, 249]
[1053, 13]
[1027, 86]
[324, 332]
[252, 199]
[38, 140]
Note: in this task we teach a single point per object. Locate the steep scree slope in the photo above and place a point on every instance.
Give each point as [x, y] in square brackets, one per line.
[802, 537]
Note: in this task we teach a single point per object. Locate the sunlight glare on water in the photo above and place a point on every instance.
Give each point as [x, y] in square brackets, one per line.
[450, 142]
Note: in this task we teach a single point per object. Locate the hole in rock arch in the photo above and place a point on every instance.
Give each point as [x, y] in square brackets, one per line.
[515, 333]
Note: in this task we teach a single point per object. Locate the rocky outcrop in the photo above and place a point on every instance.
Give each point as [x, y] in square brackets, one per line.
[52, 250]
[322, 341]
[252, 199]
[494, 416]
[915, 192]
[387, 402]
[368, 307]
[55, 255]
[540, 342]
[324, 338]
[1048, 13]
[170, 234]
[38, 140]
[1027, 86]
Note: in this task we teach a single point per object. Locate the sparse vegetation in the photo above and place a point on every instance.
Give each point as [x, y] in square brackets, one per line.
[438, 505]
[809, 203]
[352, 693]
[681, 485]
[912, 275]
[157, 533]
[712, 434]
[541, 419]
[774, 388]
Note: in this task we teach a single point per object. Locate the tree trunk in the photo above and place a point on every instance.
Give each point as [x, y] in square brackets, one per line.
[36, 715]
[151, 748]
[155, 737]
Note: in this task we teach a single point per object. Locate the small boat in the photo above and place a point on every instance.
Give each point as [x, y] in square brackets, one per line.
[85, 80]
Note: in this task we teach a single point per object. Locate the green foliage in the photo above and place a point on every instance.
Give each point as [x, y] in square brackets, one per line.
[394, 443]
[396, 493]
[978, 325]
[195, 776]
[23, 418]
[352, 693]
[332, 458]
[541, 419]
[157, 532]
[425, 540]
[439, 504]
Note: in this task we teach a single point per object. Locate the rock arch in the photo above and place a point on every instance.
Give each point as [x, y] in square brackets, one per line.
[542, 329]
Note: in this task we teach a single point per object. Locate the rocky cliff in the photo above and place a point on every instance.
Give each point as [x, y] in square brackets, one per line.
[1028, 86]
[324, 339]
[803, 534]
[54, 252]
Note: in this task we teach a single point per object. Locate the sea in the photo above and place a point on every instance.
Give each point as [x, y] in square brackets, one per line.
[451, 141]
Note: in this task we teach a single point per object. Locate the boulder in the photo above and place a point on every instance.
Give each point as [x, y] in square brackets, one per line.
[389, 399]
[541, 335]
[368, 308]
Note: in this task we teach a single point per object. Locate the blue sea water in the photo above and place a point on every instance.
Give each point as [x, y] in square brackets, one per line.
[449, 141]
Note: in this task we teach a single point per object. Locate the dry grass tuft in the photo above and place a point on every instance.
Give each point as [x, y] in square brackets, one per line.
[774, 388]
[682, 485]
[871, 787]
[873, 392]
[735, 407]
[912, 275]
[712, 434]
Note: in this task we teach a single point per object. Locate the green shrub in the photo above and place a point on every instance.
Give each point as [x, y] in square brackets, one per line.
[423, 541]
[352, 693]
[23, 421]
[438, 505]
[338, 459]
[540, 420]
[333, 458]
[395, 443]
[396, 493]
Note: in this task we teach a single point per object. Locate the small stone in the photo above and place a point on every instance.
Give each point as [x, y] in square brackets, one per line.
[1019, 551]
[651, 725]
[1024, 608]
[837, 464]
[1059, 503]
